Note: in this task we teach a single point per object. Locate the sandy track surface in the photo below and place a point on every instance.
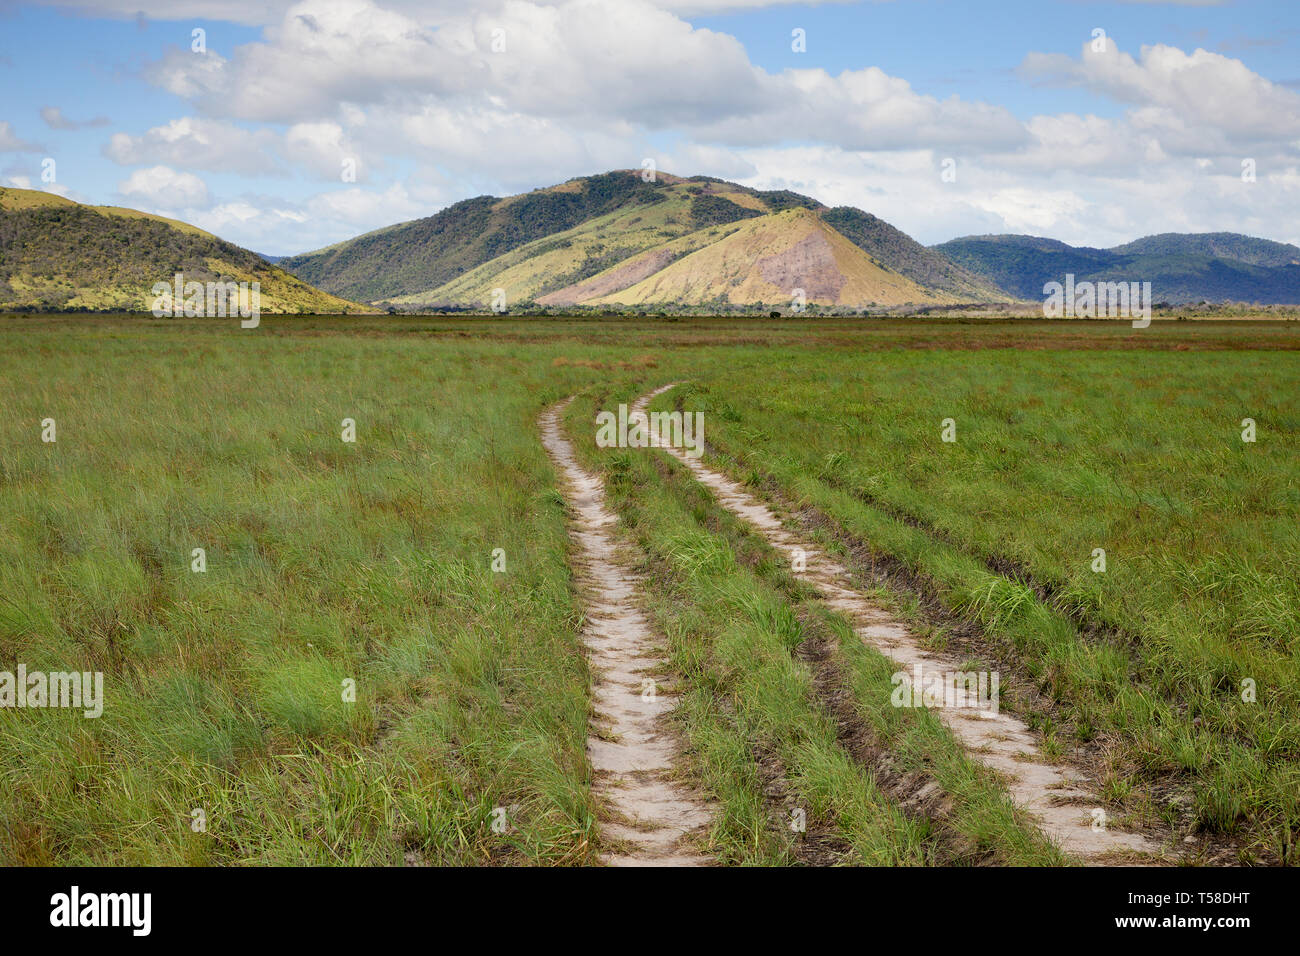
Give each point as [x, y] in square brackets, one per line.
[648, 818]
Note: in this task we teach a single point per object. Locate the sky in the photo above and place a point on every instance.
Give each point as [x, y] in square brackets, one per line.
[286, 126]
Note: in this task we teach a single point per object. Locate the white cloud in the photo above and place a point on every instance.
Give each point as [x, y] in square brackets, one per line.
[55, 119]
[190, 75]
[1032, 210]
[250, 221]
[10, 142]
[250, 12]
[198, 144]
[1179, 89]
[266, 12]
[275, 226]
[323, 53]
[581, 60]
[326, 149]
[507, 148]
[161, 187]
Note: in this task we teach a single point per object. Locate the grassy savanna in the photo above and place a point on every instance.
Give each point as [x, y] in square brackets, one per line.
[329, 561]
[754, 706]
[1178, 663]
[326, 561]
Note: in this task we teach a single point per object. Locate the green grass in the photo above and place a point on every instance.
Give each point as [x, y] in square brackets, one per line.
[326, 561]
[370, 562]
[1058, 454]
[744, 694]
[735, 620]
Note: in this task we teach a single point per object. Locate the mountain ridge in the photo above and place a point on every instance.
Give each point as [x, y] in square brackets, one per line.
[615, 240]
[60, 255]
[587, 241]
[1183, 268]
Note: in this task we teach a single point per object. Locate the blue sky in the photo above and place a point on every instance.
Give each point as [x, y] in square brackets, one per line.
[972, 49]
[1047, 135]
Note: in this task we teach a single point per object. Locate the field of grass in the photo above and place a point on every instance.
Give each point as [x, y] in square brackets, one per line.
[330, 562]
[1178, 662]
[326, 561]
[748, 640]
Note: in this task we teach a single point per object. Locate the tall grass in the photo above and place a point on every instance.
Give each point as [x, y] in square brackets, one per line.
[370, 562]
[1057, 454]
[735, 620]
[326, 562]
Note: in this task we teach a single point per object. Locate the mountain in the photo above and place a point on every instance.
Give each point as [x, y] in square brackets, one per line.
[59, 255]
[909, 257]
[615, 240]
[761, 260]
[1215, 245]
[609, 241]
[1182, 268]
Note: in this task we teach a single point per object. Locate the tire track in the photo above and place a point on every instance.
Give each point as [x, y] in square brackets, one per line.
[1062, 801]
[650, 818]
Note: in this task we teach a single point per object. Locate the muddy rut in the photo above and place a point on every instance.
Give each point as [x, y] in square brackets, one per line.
[1060, 798]
[648, 818]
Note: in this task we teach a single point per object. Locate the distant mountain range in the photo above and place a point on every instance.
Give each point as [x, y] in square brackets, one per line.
[615, 240]
[1182, 268]
[612, 241]
[58, 255]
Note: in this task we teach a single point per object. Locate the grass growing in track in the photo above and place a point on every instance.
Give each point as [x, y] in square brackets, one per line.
[1059, 453]
[743, 690]
[734, 619]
